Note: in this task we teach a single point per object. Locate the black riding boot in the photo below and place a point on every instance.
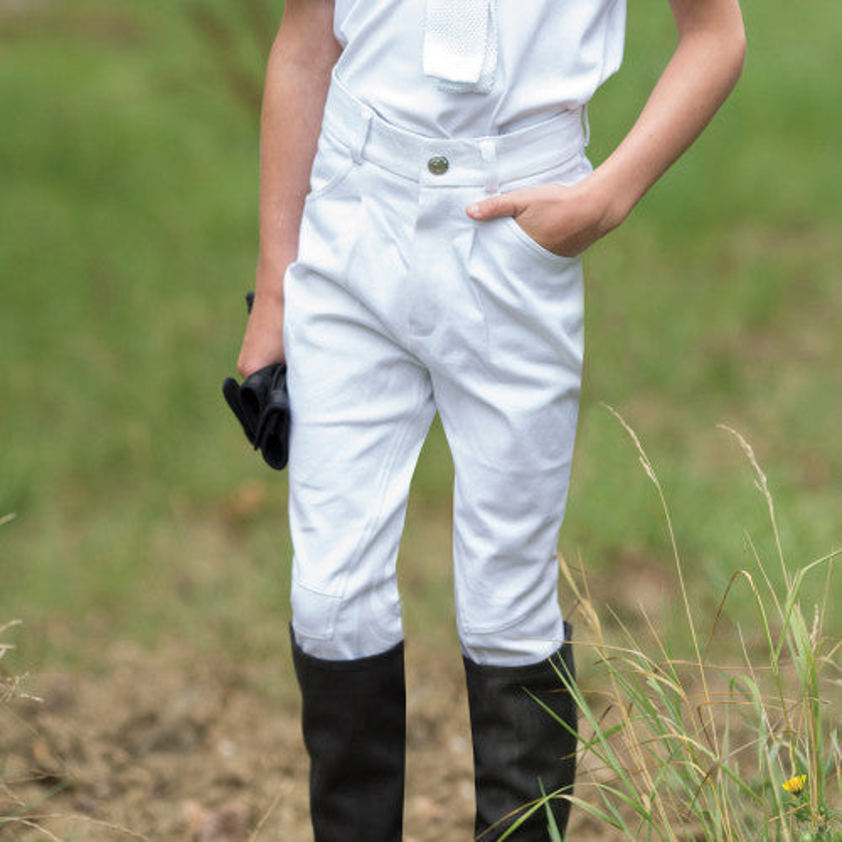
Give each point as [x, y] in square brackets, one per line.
[518, 746]
[354, 722]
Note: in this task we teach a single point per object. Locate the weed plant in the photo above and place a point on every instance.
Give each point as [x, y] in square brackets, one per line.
[675, 746]
[10, 689]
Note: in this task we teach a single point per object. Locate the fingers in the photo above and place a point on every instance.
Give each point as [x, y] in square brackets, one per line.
[494, 207]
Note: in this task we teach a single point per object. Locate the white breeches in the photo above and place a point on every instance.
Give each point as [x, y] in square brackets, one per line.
[400, 306]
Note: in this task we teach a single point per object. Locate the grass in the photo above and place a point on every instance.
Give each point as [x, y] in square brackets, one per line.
[11, 688]
[9, 683]
[677, 745]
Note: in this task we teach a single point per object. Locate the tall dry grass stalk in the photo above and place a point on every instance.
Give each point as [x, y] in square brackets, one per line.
[674, 746]
[10, 688]
[9, 683]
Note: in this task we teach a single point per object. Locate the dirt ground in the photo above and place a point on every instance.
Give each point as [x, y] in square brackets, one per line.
[168, 746]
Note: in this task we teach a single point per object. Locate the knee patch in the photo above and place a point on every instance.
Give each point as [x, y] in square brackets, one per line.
[520, 630]
[342, 627]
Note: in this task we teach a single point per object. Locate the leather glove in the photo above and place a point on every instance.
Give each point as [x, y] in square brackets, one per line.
[261, 405]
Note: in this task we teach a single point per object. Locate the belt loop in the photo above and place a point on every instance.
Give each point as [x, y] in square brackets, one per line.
[361, 131]
[488, 151]
[586, 124]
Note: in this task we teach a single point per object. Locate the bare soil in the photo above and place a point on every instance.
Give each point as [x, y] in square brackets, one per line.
[170, 746]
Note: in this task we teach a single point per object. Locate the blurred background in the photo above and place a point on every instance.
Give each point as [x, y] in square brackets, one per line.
[128, 232]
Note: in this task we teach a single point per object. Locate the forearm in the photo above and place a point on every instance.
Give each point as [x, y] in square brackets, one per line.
[701, 73]
[297, 79]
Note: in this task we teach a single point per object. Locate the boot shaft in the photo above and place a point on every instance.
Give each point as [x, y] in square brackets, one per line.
[519, 746]
[353, 719]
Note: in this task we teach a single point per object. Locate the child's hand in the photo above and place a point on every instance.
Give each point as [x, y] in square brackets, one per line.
[263, 343]
[564, 219]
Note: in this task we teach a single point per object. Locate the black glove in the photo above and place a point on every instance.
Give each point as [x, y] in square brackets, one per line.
[261, 405]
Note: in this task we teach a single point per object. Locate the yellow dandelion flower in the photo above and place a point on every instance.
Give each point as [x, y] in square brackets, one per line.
[795, 785]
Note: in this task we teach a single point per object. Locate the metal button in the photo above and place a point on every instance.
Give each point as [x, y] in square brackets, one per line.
[438, 165]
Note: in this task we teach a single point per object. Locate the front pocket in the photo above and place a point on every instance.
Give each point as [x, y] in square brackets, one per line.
[331, 165]
[535, 246]
[566, 172]
[329, 223]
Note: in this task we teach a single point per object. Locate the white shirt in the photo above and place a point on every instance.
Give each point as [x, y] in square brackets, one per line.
[552, 55]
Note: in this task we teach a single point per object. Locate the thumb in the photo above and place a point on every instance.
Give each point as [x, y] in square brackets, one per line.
[493, 207]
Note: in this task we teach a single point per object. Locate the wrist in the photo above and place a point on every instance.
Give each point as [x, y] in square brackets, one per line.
[269, 277]
[613, 201]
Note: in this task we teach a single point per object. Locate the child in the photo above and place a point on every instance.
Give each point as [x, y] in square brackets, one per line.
[425, 201]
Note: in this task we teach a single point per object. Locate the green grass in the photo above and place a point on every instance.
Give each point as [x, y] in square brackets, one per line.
[128, 159]
[722, 728]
